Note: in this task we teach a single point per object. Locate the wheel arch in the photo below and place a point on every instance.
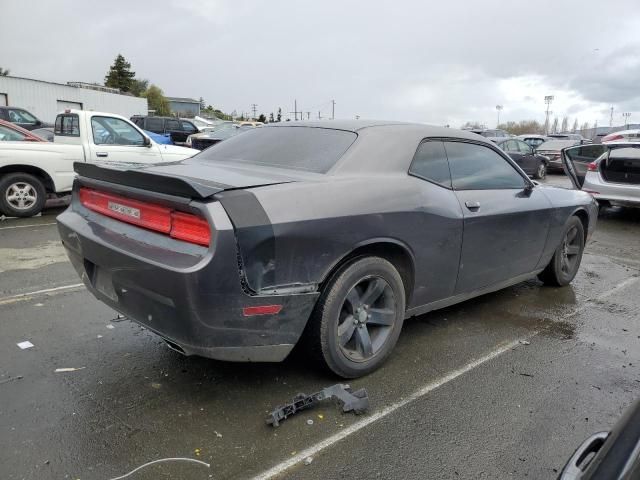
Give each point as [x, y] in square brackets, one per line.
[31, 170]
[394, 251]
[584, 218]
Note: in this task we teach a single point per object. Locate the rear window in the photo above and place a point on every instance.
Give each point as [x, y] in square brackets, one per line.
[67, 125]
[297, 148]
[556, 144]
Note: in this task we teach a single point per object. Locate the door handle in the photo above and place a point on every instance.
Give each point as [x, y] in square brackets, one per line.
[473, 206]
[102, 154]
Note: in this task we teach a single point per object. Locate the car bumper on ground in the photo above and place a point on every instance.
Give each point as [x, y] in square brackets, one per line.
[197, 309]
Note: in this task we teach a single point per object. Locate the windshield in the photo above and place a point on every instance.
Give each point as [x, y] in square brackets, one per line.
[297, 148]
[556, 144]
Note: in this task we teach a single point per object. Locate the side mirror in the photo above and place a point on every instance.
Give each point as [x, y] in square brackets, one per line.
[146, 142]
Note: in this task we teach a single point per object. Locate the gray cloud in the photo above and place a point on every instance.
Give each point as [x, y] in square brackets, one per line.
[437, 62]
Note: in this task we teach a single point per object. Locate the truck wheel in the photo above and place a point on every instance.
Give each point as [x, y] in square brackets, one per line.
[565, 262]
[358, 317]
[21, 195]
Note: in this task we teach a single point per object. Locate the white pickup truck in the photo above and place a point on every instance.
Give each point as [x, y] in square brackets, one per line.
[32, 171]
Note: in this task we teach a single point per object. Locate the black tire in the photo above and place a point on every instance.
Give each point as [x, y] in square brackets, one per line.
[604, 204]
[541, 171]
[336, 313]
[565, 262]
[30, 191]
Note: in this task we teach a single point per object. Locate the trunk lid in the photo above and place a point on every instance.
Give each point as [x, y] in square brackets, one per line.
[189, 178]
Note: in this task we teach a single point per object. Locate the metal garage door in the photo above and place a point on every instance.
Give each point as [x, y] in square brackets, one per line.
[63, 105]
[3, 100]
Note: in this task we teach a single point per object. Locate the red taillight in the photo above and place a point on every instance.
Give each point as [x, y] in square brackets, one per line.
[612, 137]
[261, 310]
[190, 228]
[179, 225]
[592, 167]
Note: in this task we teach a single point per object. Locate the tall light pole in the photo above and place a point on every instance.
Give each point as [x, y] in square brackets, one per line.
[499, 108]
[626, 116]
[548, 99]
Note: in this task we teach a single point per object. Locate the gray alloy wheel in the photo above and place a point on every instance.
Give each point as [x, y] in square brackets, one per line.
[21, 195]
[358, 317]
[541, 171]
[366, 319]
[565, 262]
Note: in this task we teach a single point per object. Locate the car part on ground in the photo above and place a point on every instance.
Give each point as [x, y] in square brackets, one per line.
[610, 172]
[330, 235]
[356, 402]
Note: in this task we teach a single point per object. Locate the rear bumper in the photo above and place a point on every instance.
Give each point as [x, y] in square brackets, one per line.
[195, 305]
[624, 194]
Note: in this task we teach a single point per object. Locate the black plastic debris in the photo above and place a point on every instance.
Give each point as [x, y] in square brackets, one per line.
[356, 402]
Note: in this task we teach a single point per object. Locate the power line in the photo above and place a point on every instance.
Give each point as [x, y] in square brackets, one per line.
[295, 110]
[333, 109]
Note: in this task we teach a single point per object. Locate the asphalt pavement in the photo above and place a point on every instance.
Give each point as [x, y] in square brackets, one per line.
[503, 386]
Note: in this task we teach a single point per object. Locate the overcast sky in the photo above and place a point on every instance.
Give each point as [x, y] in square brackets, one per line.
[441, 62]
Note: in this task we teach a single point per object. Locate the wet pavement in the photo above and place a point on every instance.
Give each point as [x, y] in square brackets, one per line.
[503, 386]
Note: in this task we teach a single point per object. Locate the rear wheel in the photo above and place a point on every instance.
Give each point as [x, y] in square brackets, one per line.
[358, 318]
[21, 195]
[565, 262]
[541, 171]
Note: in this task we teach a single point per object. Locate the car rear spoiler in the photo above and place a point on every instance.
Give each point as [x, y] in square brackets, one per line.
[131, 175]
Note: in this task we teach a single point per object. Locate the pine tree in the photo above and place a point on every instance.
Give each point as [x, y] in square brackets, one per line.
[262, 118]
[120, 75]
[4, 73]
[271, 120]
[279, 117]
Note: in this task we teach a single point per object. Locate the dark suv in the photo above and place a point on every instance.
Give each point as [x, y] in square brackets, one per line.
[178, 129]
[22, 118]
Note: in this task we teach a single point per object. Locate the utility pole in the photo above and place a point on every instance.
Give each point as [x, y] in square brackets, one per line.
[319, 117]
[498, 108]
[308, 115]
[547, 99]
[626, 116]
[295, 110]
[254, 107]
[611, 118]
[333, 109]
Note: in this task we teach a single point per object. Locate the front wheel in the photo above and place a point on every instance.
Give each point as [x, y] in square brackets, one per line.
[21, 195]
[541, 171]
[358, 318]
[565, 262]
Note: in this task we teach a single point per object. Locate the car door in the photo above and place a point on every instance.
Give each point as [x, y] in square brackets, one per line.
[174, 128]
[113, 139]
[511, 147]
[575, 161]
[506, 218]
[529, 162]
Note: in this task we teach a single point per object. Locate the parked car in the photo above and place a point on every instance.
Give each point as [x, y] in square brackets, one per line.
[329, 233]
[29, 172]
[494, 135]
[22, 118]
[203, 140]
[10, 132]
[526, 157]
[177, 128]
[551, 149]
[533, 139]
[622, 136]
[612, 455]
[610, 172]
[569, 136]
[44, 133]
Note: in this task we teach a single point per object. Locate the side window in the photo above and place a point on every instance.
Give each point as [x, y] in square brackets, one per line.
[155, 125]
[524, 148]
[67, 125]
[22, 117]
[509, 146]
[476, 167]
[173, 125]
[114, 131]
[9, 135]
[430, 163]
[189, 127]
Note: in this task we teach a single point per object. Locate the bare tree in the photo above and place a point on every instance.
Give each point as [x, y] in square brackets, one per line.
[554, 127]
[575, 126]
[565, 124]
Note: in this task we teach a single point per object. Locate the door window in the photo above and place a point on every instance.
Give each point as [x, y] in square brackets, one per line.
[22, 117]
[173, 125]
[189, 127]
[114, 131]
[10, 135]
[476, 167]
[430, 163]
[523, 147]
[155, 125]
[509, 146]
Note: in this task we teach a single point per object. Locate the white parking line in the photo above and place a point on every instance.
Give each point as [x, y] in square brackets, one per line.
[318, 447]
[26, 226]
[47, 291]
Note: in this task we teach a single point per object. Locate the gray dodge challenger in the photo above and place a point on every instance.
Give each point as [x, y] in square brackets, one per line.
[327, 234]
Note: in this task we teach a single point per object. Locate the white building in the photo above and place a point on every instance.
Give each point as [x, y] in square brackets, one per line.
[46, 99]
